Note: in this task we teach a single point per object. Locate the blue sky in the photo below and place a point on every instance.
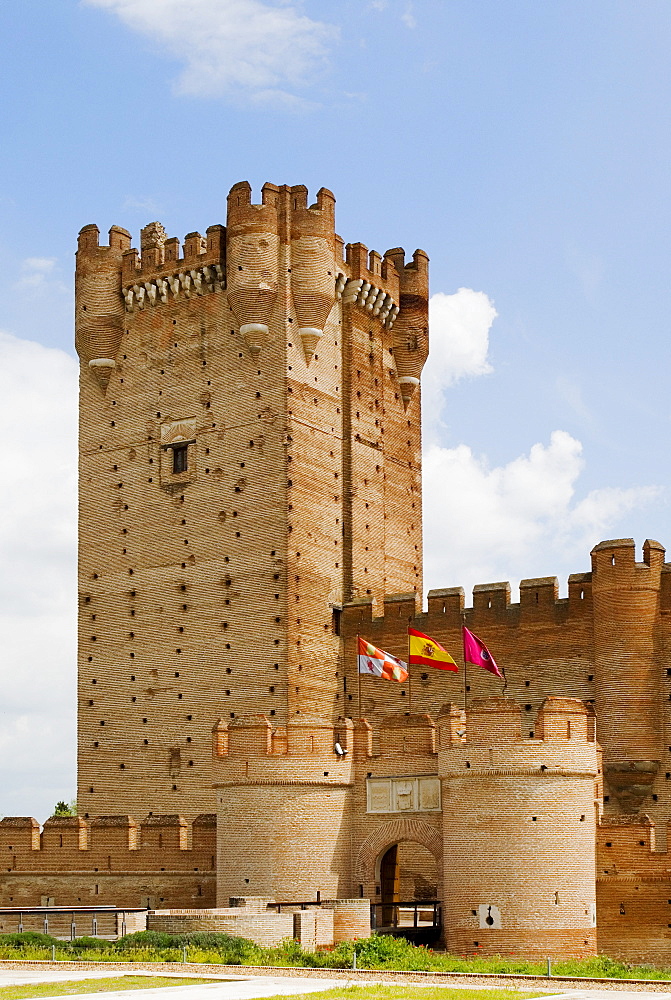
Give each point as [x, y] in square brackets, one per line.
[524, 145]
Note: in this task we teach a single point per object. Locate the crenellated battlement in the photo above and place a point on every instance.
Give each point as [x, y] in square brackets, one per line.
[107, 843]
[160, 254]
[283, 242]
[313, 752]
[251, 750]
[613, 560]
[614, 564]
[157, 273]
[88, 243]
[491, 604]
[488, 739]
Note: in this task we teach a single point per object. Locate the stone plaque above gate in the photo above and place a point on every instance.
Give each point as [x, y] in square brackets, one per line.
[420, 793]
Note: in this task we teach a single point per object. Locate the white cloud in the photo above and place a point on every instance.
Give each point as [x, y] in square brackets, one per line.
[522, 519]
[408, 16]
[38, 273]
[149, 206]
[256, 49]
[459, 326]
[38, 413]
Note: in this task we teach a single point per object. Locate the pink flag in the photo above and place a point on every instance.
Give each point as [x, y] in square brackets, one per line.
[476, 652]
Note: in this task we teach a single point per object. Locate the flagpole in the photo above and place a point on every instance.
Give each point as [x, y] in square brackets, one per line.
[358, 675]
[409, 680]
[463, 640]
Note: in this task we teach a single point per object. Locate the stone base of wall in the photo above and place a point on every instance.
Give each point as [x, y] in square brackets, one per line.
[318, 926]
[351, 918]
[265, 929]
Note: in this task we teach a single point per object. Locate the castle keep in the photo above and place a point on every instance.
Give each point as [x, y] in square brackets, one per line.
[250, 503]
[250, 453]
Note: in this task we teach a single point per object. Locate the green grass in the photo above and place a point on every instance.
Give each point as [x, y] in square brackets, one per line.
[108, 985]
[377, 952]
[413, 993]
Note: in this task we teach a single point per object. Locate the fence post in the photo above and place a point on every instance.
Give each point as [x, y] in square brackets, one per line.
[549, 966]
[53, 953]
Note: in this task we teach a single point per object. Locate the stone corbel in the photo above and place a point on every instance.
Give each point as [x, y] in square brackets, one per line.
[102, 368]
[197, 278]
[185, 282]
[163, 287]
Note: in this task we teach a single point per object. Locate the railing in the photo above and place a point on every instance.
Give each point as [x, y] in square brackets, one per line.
[418, 914]
[300, 905]
[61, 921]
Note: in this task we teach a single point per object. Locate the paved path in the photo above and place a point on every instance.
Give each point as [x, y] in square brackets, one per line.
[230, 987]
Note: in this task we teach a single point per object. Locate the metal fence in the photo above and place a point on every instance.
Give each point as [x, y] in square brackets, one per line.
[414, 914]
[72, 921]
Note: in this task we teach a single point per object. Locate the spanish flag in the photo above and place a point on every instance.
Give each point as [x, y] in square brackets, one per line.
[426, 652]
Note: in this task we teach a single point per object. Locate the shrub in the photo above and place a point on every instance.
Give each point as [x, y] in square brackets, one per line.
[28, 939]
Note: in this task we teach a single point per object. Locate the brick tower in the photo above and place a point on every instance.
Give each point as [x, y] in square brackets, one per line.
[519, 848]
[249, 460]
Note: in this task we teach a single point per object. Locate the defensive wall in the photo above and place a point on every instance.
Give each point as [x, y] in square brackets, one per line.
[503, 827]
[162, 861]
[633, 889]
[607, 643]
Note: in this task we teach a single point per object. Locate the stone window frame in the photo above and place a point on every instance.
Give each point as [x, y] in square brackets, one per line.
[184, 438]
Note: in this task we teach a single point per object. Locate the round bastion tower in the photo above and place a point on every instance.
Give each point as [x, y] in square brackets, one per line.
[626, 597]
[283, 809]
[519, 829]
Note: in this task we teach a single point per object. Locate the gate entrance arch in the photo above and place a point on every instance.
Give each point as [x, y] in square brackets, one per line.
[399, 866]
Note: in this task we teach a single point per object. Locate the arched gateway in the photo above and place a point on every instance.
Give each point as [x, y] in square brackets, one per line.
[396, 831]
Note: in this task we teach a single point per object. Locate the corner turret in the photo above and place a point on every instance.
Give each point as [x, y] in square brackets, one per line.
[411, 329]
[99, 307]
[278, 790]
[626, 596]
[252, 252]
[312, 263]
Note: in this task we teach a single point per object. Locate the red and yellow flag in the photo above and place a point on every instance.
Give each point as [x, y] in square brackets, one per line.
[379, 663]
[426, 652]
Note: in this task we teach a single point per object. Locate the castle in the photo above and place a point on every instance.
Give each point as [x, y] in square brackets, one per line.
[250, 503]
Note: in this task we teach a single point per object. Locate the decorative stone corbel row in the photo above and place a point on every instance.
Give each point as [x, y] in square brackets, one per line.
[363, 293]
[184, 284]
